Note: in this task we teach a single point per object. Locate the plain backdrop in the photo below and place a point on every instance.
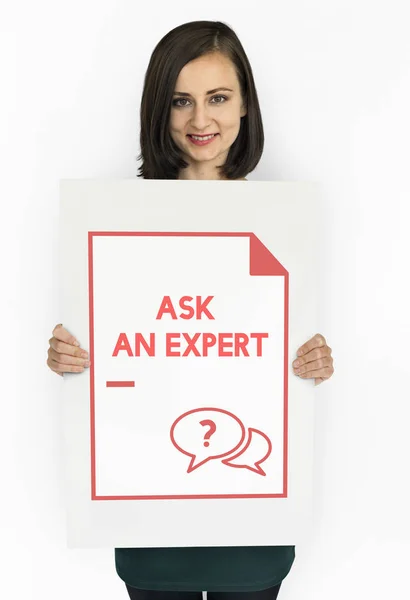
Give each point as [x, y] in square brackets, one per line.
[334, 85]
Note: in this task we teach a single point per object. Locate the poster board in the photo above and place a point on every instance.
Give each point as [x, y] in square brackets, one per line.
[189, 428]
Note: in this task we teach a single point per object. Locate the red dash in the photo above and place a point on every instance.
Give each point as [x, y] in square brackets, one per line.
[120, 383]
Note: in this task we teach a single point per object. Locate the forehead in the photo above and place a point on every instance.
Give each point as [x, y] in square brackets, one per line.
[205, 73]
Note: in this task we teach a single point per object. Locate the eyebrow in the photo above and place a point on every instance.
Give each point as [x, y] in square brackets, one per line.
[220, 89]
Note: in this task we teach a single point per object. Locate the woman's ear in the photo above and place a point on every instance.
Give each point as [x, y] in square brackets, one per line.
[243, 110]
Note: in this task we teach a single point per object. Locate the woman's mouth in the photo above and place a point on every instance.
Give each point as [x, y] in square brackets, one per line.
[202, 140]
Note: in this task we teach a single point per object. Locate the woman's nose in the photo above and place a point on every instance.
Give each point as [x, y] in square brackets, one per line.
[200, 118]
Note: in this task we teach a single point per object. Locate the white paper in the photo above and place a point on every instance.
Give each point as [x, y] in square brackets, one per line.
[214, 447]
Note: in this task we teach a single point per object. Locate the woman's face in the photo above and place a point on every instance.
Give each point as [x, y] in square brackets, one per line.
[201, 107]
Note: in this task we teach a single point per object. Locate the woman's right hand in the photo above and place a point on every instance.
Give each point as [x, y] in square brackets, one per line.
[65, 354]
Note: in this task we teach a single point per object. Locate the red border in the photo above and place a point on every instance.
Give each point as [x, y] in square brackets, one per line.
[261, 262]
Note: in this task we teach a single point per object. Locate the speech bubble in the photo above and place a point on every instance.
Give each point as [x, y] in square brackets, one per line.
[190, 437]
[249, 457]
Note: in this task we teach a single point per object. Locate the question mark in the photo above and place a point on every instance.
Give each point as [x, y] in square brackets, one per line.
[211, 430]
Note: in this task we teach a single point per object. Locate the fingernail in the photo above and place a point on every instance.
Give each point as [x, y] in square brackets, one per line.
[87, 364]
[84, 354]
[76, 343]
[299, 352]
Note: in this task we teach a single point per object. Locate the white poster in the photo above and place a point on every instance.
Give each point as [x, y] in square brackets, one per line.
[191, 298]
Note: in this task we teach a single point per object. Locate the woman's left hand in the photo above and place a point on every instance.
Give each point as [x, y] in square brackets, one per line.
[314, 360]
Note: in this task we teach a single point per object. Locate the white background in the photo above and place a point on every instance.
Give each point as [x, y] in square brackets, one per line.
[334, 85]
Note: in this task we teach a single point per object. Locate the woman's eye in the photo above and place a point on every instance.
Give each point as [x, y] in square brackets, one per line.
[224, 98]
[175, 102]
[221, 100]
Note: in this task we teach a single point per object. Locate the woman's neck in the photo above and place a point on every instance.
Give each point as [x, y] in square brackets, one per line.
[189, 176]
[202, 172]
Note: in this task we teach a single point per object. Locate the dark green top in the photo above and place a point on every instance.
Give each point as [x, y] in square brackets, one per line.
[233, 569]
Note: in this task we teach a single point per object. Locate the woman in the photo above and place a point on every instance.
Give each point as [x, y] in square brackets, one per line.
[200, 119]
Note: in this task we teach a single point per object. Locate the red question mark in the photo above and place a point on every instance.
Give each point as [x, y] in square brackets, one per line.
[211, 430]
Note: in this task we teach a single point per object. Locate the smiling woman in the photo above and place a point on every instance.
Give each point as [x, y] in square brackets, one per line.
[200, 115]
[200, 119]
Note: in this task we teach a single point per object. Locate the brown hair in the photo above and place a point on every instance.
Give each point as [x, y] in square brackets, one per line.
[161, 158]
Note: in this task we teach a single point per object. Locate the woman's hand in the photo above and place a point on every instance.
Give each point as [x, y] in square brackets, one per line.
[65, 354]
[314, 360]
